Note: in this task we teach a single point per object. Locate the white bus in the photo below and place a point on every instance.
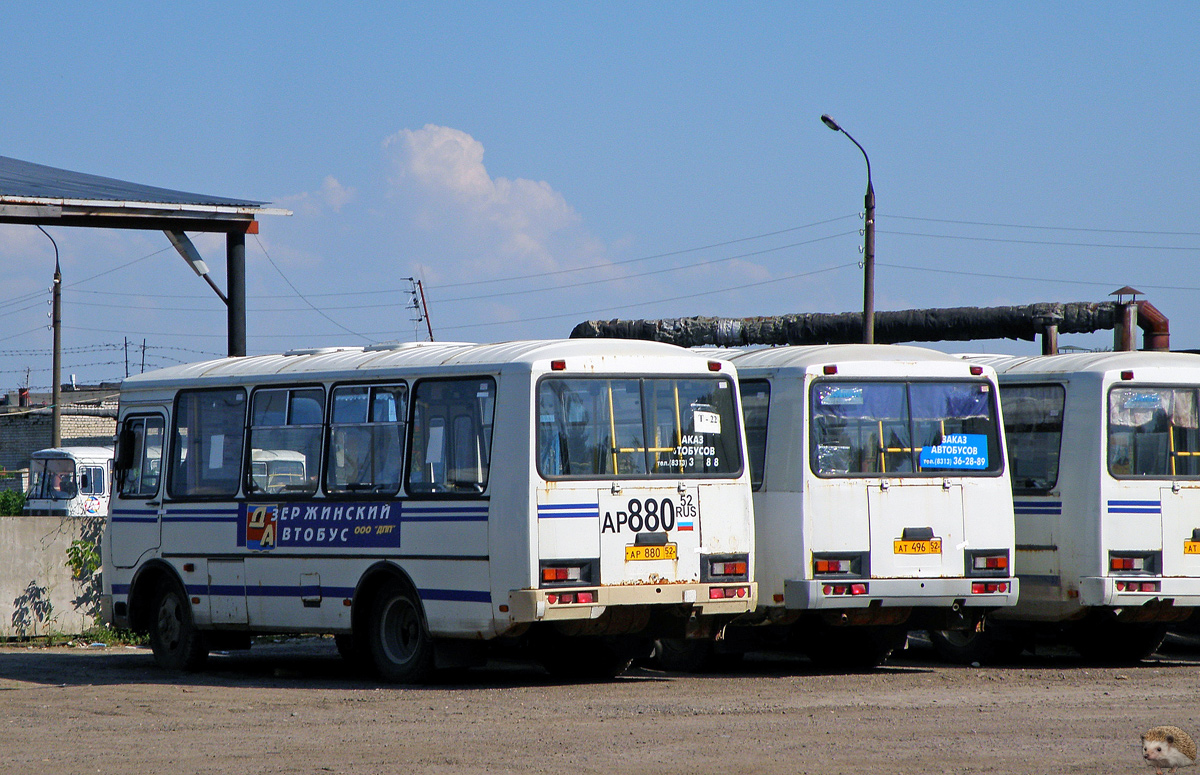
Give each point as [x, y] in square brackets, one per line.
[69, 482]
[881, 497]
[1105, 457]
[570, 498]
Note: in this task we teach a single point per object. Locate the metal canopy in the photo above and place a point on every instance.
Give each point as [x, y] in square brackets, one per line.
[38, 195]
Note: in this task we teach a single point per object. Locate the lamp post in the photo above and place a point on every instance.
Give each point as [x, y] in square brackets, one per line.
[868, 241]
[56, 367]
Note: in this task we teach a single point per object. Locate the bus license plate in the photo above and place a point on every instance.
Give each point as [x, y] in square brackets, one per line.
[933, 546]
[1191, 547]
[664, 552]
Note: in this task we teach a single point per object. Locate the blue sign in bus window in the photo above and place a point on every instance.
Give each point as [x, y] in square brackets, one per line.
[957, 450]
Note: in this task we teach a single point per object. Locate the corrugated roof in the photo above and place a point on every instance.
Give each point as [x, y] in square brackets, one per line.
[24, 181]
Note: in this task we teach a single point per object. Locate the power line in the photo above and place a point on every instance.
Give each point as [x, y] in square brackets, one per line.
[1047, 228]
[1042, 242]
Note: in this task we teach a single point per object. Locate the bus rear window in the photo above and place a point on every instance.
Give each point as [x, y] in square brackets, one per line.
[661, 427]
[894, 428]
[1153, 433]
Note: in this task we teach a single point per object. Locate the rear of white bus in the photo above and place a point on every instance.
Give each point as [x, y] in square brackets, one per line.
[1149, 562]
[644, 514]
[908, 510]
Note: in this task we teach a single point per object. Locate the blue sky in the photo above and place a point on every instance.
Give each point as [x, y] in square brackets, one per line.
[521, 158]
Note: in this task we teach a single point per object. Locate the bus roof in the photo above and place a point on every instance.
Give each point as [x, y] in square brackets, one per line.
[413, 355]
[816, 355]
[1097, 363]
[79, 453]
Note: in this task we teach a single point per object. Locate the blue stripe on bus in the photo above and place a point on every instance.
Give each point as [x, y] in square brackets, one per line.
[443, 513]
[152, 518]
[1134, 507]
[227, 590]
[568, 510]
[1051, 508]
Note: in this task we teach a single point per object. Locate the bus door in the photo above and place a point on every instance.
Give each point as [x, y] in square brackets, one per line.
[136, 512]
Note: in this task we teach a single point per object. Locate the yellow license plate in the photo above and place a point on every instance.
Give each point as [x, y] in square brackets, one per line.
[1191, 547]
[933, 546]
[664, 552]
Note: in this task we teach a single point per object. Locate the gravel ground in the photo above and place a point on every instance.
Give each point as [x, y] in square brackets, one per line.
[295, 707]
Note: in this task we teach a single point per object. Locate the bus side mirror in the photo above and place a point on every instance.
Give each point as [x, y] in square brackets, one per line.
[125, 445]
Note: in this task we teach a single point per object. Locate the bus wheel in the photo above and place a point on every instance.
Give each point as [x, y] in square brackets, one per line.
[852, 648]
[585, 658]
[1117, 643]
[965, 647]
[400, 646]
[174, 639]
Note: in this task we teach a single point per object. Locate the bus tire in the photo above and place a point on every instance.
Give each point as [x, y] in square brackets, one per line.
[585, 658]
[853, 648]
[1115, 642]
[174, 639]
[398, 640]
[965, 647]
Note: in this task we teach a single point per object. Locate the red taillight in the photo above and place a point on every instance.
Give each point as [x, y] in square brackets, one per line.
[1127, 374]
[558, 365]
[994, 562]
[988, 587]
[858, 589]
[714, 365]
[729, 569]
[551, 599]
[976, 370]
[568, 573]
[1137, 586]
[722, 593]
[831, 566]
[585, 597]
[829, 369]
[1127, 563]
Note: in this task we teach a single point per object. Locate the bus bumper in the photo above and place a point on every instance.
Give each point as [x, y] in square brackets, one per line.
[1102, 591]
[540, 605]
[823, 594]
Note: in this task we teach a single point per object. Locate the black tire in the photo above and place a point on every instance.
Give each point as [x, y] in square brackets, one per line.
[966, 647]
[1110, 642]
[684, 655]
[585, 658]
[398, 640]
[347, 649]
[852, 648]
[174, 639]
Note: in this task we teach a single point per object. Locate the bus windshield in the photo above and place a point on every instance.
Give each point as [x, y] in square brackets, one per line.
[660, 427]
[897, 428]
[52, 479]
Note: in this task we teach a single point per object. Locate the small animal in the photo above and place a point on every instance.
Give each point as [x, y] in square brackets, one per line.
[1168, 748]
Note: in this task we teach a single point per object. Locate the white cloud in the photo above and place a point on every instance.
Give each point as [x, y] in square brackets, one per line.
[336, 195]
[499, 223]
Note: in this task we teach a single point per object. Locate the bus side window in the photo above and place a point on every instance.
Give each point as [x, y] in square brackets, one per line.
[285, 438]
[756, 395]
[207, 443]
[365, 439]
[138, 460]
[452, 433]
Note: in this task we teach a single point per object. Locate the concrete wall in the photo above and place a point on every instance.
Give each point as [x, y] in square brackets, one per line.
[34, 550]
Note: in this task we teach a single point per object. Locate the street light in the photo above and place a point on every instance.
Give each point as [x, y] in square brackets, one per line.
[868, 241]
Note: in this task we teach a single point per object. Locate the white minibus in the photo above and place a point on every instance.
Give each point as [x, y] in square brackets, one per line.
[1105, 457]
[69, 482]
[881, 497]
[421, 501]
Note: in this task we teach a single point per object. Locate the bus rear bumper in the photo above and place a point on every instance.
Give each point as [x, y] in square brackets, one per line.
[817, 595]
[1102, 591]
[539, 605]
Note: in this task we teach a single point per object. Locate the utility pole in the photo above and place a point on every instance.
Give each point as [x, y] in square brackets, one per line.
[56, 325]
[868, 240]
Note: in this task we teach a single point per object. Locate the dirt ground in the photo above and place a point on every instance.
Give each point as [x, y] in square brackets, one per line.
[295, 707]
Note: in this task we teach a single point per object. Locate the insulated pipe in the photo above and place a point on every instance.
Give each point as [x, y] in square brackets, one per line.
[1156, 329]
